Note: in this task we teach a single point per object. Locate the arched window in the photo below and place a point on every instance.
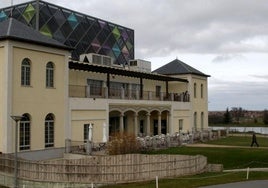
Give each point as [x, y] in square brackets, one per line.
[194, 90]
[49, 130]
[25, 132]
[202, 90]
[50, 74]
[25, 72]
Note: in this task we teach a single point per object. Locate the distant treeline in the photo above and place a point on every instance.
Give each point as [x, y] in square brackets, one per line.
[238, 115]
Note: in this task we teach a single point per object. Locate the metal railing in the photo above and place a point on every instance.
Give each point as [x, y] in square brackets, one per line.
[115, 93]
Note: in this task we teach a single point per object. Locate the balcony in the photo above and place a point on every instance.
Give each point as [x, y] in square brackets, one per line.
[126, 94]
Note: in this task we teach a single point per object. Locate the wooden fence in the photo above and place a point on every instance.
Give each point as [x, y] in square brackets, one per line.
[105, 169]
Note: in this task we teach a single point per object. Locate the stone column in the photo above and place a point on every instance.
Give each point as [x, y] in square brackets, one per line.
[136, 124]
[68, 145]
[148, 124]
[122, 93]
[121, 122]
[88, 147]
[159, 124]
[169, 123]
[130, 92]
[106, 92]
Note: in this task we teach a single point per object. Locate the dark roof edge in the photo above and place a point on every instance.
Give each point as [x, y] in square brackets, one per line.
[35, 42]
[201, 74]
[123, 72]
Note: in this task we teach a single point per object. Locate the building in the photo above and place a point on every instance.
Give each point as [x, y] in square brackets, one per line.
[61, 97]
[84, 33]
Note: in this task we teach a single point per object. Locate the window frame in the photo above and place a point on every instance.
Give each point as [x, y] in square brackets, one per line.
[202, 91]
[49, 130]
[86, 129]
[25, 133]
[26, 72]
[195, 87]
[50, 72]
[195, 121]
[157, 91]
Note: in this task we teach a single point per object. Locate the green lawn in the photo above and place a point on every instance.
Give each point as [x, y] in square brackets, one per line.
[230, 158]
[241, 140]
[196, 181]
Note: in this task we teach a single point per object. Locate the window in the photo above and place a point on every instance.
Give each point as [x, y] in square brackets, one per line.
[50, 74]
[86, 132]
[201, 90]
[25, 131]
[95, 87]
[194, 90]
[49, 131]
[202, 120]
[195, 121]
[180, 124]
[133, 63]
[157, 91]
[116, 87]
[25, 72]
[86, 129]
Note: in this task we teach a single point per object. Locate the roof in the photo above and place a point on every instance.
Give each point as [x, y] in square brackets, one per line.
[123, 72]
[177, 67]
[15, 30]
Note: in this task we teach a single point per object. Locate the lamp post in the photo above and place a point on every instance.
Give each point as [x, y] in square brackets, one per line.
[16, 119]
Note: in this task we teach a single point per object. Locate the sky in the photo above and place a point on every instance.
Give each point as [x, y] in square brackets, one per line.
[226, 39]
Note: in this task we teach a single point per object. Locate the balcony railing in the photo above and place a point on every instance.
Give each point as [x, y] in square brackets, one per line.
[127, 94]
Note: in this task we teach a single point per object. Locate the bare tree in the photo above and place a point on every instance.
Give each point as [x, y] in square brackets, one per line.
[237, 113]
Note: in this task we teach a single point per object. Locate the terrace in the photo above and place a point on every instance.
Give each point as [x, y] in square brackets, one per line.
[93, 91]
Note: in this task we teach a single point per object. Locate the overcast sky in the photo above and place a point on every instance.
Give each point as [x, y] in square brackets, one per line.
[227, 39]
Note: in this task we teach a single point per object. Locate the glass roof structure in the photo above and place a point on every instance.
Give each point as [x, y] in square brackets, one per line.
[86, 34]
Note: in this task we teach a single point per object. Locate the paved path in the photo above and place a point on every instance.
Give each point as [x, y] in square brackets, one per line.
[246, 184]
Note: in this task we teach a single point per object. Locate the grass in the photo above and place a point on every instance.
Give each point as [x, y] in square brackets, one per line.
[230, 158]
[197, 180]
[241, 140]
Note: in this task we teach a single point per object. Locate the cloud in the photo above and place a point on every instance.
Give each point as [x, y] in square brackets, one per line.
[247, 94]
[263, 77]
[179, 26]
[227, 57]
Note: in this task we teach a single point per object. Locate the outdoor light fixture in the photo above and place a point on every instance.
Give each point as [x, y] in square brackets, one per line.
[16, 119]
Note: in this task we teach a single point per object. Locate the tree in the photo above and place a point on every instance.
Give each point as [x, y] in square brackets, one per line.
[265, 117]
[215, 119]
[237, 113]
[227, 117]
